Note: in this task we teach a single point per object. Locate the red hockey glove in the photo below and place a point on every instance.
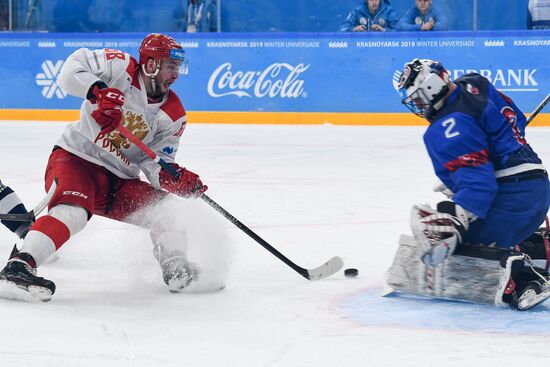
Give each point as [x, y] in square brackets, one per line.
[109, 108]
[188, 184]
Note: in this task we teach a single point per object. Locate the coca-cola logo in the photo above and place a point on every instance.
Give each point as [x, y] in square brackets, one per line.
[277, 80]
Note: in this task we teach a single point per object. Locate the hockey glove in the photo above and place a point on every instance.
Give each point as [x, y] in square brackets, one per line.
[438, 232]
[188, 184]
[109, 108]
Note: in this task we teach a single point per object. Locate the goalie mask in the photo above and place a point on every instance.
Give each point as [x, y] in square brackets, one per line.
[423, 86]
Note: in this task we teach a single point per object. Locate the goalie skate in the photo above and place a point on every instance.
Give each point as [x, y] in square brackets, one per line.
[534, 294]
[18, 281]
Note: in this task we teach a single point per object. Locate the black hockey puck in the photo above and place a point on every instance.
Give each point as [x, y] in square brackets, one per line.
[351, 272]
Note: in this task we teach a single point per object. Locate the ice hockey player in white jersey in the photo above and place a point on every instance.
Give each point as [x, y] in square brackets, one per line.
[98, 168]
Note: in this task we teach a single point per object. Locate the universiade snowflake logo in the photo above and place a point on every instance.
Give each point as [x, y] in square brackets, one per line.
[48, 79]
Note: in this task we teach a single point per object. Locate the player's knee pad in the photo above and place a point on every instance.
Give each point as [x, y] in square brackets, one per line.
[73, 216]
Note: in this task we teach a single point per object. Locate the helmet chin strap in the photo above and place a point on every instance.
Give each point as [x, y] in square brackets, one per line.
[152, 76]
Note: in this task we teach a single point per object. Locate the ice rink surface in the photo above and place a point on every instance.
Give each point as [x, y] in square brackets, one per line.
[313, 192]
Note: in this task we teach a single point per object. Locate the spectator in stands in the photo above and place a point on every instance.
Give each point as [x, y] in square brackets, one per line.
[538, 16]
[180, 16]
[372, 15]
[194, 13]
[209, 18]
[4, 16]
[423, 17]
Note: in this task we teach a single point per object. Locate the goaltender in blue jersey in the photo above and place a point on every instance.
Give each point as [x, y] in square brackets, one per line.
[476, 140]
[478, 148]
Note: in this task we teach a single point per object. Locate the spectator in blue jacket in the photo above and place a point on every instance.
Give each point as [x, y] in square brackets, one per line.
[423, 17]
[209, 17]
[538, 16]
[372, 15]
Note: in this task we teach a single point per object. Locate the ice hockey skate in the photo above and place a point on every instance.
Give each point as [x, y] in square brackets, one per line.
[18, 281]
[530, 295]
[177, 271]
[535, 293]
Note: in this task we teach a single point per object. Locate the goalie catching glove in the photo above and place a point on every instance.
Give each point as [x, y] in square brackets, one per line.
[188, 184]
[438, 232]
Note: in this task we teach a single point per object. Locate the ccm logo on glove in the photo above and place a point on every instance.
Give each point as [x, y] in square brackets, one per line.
[115, 95]
[109, 108]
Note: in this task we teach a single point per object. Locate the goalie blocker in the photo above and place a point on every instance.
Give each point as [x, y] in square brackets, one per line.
[477, 274]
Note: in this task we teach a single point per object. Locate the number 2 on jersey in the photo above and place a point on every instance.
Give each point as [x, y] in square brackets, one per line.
[450, 125]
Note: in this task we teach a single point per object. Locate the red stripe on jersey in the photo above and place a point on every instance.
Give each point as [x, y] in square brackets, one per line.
[133, 71]
[52, 227]
[180, 130]
[173, 107]
[474, 159]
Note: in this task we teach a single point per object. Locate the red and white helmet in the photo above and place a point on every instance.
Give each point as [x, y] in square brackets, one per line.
[158, 47]
[422, 85]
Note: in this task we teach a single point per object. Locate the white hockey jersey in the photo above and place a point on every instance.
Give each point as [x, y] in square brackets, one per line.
[158, 125]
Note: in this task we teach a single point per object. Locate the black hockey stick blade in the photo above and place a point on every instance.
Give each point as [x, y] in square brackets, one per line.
[30, 216]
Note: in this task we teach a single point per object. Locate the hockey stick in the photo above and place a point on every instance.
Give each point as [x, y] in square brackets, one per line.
[31, 216]
[327, 269]
[539, 108]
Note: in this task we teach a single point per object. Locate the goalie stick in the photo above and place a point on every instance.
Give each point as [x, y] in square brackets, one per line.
[31, 216]
[323, 271]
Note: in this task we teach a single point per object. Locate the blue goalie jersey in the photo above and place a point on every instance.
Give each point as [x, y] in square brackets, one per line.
[478, 148]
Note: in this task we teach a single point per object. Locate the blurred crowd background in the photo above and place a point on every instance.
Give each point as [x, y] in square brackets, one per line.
[235, 15]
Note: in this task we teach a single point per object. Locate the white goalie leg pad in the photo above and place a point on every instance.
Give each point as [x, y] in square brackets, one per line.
[457, 277]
